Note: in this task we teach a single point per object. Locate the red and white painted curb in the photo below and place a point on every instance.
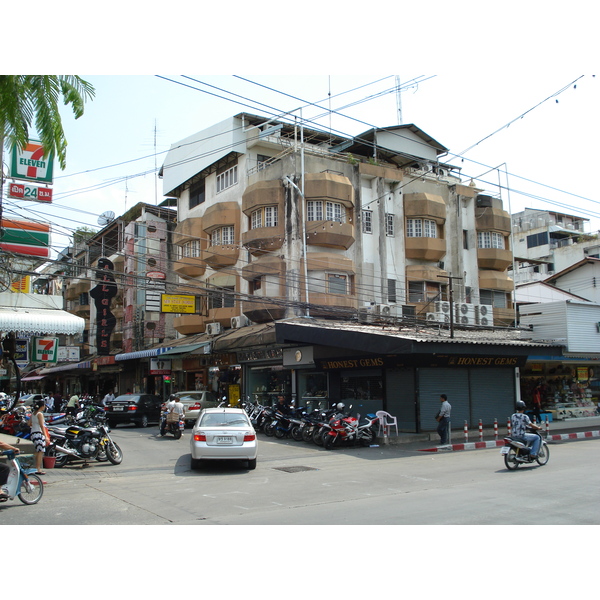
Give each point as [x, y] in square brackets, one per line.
[579, 435]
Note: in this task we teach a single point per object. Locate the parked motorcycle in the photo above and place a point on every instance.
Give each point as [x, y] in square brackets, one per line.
[347, 430]
[85, 443]
[288, 425]
[516, 452]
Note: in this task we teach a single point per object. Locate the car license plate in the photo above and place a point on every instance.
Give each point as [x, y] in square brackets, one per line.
[117, 408]
[505, 450]
[223, 440]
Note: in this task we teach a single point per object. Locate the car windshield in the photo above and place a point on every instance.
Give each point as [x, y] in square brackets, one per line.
[223, 420]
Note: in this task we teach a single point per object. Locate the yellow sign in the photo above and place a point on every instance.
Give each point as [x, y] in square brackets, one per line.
[172, 303]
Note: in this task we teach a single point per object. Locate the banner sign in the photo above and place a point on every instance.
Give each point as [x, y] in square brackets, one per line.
[177, 303]
[25, 237]
[30, 164]
[160, 366]
[23, 191]
[45, 349]
[22, 353]
[103, 293]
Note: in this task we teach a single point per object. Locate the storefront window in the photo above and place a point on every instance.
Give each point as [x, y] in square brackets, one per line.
[363, 390]
[313, 390]
[266, 383]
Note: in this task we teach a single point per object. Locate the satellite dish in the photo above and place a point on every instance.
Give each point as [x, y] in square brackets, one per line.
[106, 217]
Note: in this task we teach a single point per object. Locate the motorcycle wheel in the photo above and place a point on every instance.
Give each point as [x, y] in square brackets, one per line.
[280, 433]
[269, 429]
[329, 441]
[510, 460]
[114, 454]
[366, 438]
[62, 459]
[296, 433]
[307, 433]
[31, 490]
[177, 434]
[317, 436]
[543, 454]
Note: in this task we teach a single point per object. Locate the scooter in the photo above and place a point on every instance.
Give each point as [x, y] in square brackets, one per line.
[172, 423]
[21, 482]
[516, 452]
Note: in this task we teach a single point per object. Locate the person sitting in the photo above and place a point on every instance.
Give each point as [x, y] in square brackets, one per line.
[4, 468]
[520, 423]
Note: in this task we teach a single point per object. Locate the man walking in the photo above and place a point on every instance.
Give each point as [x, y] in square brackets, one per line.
[443, 419]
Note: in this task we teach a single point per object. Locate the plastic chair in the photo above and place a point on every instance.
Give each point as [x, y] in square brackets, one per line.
[386, 422]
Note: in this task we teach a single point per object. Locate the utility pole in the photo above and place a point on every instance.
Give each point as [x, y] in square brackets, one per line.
[451, 300]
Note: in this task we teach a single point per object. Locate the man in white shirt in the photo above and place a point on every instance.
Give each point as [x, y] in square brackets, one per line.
[443, 418]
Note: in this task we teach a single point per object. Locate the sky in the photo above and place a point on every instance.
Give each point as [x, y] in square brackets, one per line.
[532, 136]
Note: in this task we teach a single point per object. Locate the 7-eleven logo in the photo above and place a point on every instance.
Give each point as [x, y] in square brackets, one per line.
[46, 349]
[30, 163]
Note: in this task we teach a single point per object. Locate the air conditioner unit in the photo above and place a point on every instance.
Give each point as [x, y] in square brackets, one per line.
[439, 317]
[383, 310]
[365, 315]
[484, 315]
[442, 307]
[237, 322]
[432, 317]
[213, 328]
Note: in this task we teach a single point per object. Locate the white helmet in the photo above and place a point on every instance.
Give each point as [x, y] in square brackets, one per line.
[340, 406]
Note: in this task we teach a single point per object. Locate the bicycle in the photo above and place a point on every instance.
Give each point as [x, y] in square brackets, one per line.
[21, 482]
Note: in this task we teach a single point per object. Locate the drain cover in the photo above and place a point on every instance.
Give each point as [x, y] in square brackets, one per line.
[294, 469]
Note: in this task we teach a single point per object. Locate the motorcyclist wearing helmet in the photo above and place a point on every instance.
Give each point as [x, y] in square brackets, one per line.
[520, 423]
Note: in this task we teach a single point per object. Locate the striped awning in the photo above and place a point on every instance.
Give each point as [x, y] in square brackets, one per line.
[40, 321]
[142, 353]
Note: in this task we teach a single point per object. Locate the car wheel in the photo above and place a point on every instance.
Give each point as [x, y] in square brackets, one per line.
[143, 422]
[252, 464]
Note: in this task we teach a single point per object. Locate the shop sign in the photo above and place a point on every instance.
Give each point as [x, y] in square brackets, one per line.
[178, 303]
[21, 191]
[253, 355]
[22, 353]
[103, 293]
[45, 349]
[160, 366]
[29, 163]
[68, 353]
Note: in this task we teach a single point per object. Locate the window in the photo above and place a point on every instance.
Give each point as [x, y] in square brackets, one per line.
[423, 291]
[222, 236]
[227, 179]
[334, 211]
[197, 194]
[494, 298]
[221, 298]
[392, 290]
[337, 284]
[255, 285]
[537, 239]
[367, 221]
[191, 249]
[490, 239]
[262, 160]
[421, 228]
[264, 217]
[389, 225]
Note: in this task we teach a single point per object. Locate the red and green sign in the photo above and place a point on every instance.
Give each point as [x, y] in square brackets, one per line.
[45, 349]
[30, 164]
[25, 237]
[23, 191]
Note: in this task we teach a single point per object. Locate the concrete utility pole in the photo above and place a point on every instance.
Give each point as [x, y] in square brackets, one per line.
[451, 300]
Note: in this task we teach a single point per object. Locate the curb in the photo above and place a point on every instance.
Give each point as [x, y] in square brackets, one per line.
[498, 443]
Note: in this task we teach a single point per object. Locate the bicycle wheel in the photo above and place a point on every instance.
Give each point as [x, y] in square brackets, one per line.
[31, 490]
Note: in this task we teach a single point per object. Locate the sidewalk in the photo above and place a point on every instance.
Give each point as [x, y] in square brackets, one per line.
[577, 428]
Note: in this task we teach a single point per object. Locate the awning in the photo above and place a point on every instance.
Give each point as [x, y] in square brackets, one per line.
[142, 353]
[186, 349]
[33, 378]
[86, 364]
[40, 321]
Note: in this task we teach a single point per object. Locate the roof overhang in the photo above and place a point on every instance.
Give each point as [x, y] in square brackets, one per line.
[40, 321]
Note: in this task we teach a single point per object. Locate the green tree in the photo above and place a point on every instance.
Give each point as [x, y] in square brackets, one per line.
[27, 100]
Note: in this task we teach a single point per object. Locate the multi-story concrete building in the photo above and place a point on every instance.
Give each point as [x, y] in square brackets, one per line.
[275, 220]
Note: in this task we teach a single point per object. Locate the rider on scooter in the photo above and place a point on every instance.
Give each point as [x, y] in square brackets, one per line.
[520, 423]
[4, 468]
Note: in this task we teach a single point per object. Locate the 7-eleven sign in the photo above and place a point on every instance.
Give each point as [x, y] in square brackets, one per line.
[30, 164]
[45, 349]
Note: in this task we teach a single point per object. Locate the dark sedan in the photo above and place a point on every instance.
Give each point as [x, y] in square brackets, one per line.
[141, 409]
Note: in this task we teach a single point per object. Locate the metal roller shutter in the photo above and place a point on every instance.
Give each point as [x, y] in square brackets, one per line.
[452, 382]
[492, 395]
[400, 394]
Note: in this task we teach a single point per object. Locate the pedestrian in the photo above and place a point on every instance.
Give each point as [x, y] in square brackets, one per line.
[39, 435]
[537, 403]
[108, 398]
[73, 405]
[58, 402]
[49, 403]
[443, 419]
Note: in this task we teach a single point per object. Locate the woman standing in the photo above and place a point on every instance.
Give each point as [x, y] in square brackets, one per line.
[39, 435]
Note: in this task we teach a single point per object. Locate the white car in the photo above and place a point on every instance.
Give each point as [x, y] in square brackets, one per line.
[223, 434]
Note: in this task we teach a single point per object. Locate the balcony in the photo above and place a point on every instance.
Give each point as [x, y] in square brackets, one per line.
[495, 259]
[425, 205]
[218, 257]
[263, 239]
[189, 268]
[330, 234]
[189, 324]
[261, 310]
[424, 248]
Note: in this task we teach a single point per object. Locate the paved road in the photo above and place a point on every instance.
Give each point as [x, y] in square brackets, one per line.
[298, 483]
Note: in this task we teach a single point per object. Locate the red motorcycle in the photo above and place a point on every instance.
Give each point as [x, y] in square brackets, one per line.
[344, 429]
